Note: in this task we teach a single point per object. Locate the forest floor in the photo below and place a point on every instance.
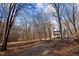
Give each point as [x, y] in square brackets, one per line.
[45, 48]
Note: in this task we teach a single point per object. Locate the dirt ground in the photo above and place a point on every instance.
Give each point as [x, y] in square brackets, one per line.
[45, 48]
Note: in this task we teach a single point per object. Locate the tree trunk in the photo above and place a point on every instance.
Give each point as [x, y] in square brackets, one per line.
[6, 36]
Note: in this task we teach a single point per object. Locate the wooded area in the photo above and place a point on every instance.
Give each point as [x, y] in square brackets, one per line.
[60, 22]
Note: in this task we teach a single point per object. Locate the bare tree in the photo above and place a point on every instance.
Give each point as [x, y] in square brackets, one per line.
[9, 22]
[72, 16]
[57, 8]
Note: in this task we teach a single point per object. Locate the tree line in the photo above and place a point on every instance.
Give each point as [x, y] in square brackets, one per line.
[39, 26]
